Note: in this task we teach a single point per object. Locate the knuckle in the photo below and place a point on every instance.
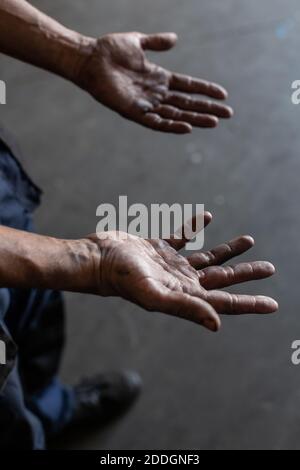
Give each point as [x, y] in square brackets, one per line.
[230, 273]
[210, 257]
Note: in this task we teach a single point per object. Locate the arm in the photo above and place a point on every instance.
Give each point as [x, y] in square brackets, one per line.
[149, 273]
[113, 69]
[28, 260]
[31, 36]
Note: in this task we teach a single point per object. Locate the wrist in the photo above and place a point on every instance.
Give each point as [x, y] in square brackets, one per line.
[86, 265]
[66, 265]
[80, 266]
[106, 260]
[74, 50]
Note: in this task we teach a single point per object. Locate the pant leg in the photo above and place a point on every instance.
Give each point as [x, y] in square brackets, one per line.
[20, 429]
[35, 320]
[32, 398]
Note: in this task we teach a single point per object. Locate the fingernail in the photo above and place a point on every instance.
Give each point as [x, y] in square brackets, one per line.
[274, 306]
[249, 239]
[230, 111]
[211, 325]
[267, 305]
[208, 215]
[271, 268]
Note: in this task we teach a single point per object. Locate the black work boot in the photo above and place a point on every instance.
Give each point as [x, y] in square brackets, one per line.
[104, 397]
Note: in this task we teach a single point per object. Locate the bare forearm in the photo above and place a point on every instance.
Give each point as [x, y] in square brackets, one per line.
[28, 260]
[31, 36]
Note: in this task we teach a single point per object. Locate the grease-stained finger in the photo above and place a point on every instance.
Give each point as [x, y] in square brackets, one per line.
[157, 123]
[179, 243]
[217, 277]
[222, 253]
[187, 84]
[233, 304]
[189, 103]
[193, 118]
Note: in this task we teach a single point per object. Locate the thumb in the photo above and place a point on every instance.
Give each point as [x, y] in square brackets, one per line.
[191, 308]
[158, 42]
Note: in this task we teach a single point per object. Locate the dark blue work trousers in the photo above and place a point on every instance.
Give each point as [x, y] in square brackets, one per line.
[33, 402]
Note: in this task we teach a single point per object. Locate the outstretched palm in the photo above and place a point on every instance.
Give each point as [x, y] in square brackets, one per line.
[152, 274]
[118, 74]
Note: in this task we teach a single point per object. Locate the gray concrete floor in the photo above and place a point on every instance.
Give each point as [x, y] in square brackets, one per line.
[236, 389]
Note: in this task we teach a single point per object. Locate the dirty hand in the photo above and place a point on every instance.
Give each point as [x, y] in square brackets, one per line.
[117, 73]
[152, 274]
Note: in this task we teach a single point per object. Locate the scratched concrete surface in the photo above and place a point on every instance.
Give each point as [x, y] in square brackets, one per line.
[236, 389]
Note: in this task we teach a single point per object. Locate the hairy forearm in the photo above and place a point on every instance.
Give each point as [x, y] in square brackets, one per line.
[29, 260]
[31, 36]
